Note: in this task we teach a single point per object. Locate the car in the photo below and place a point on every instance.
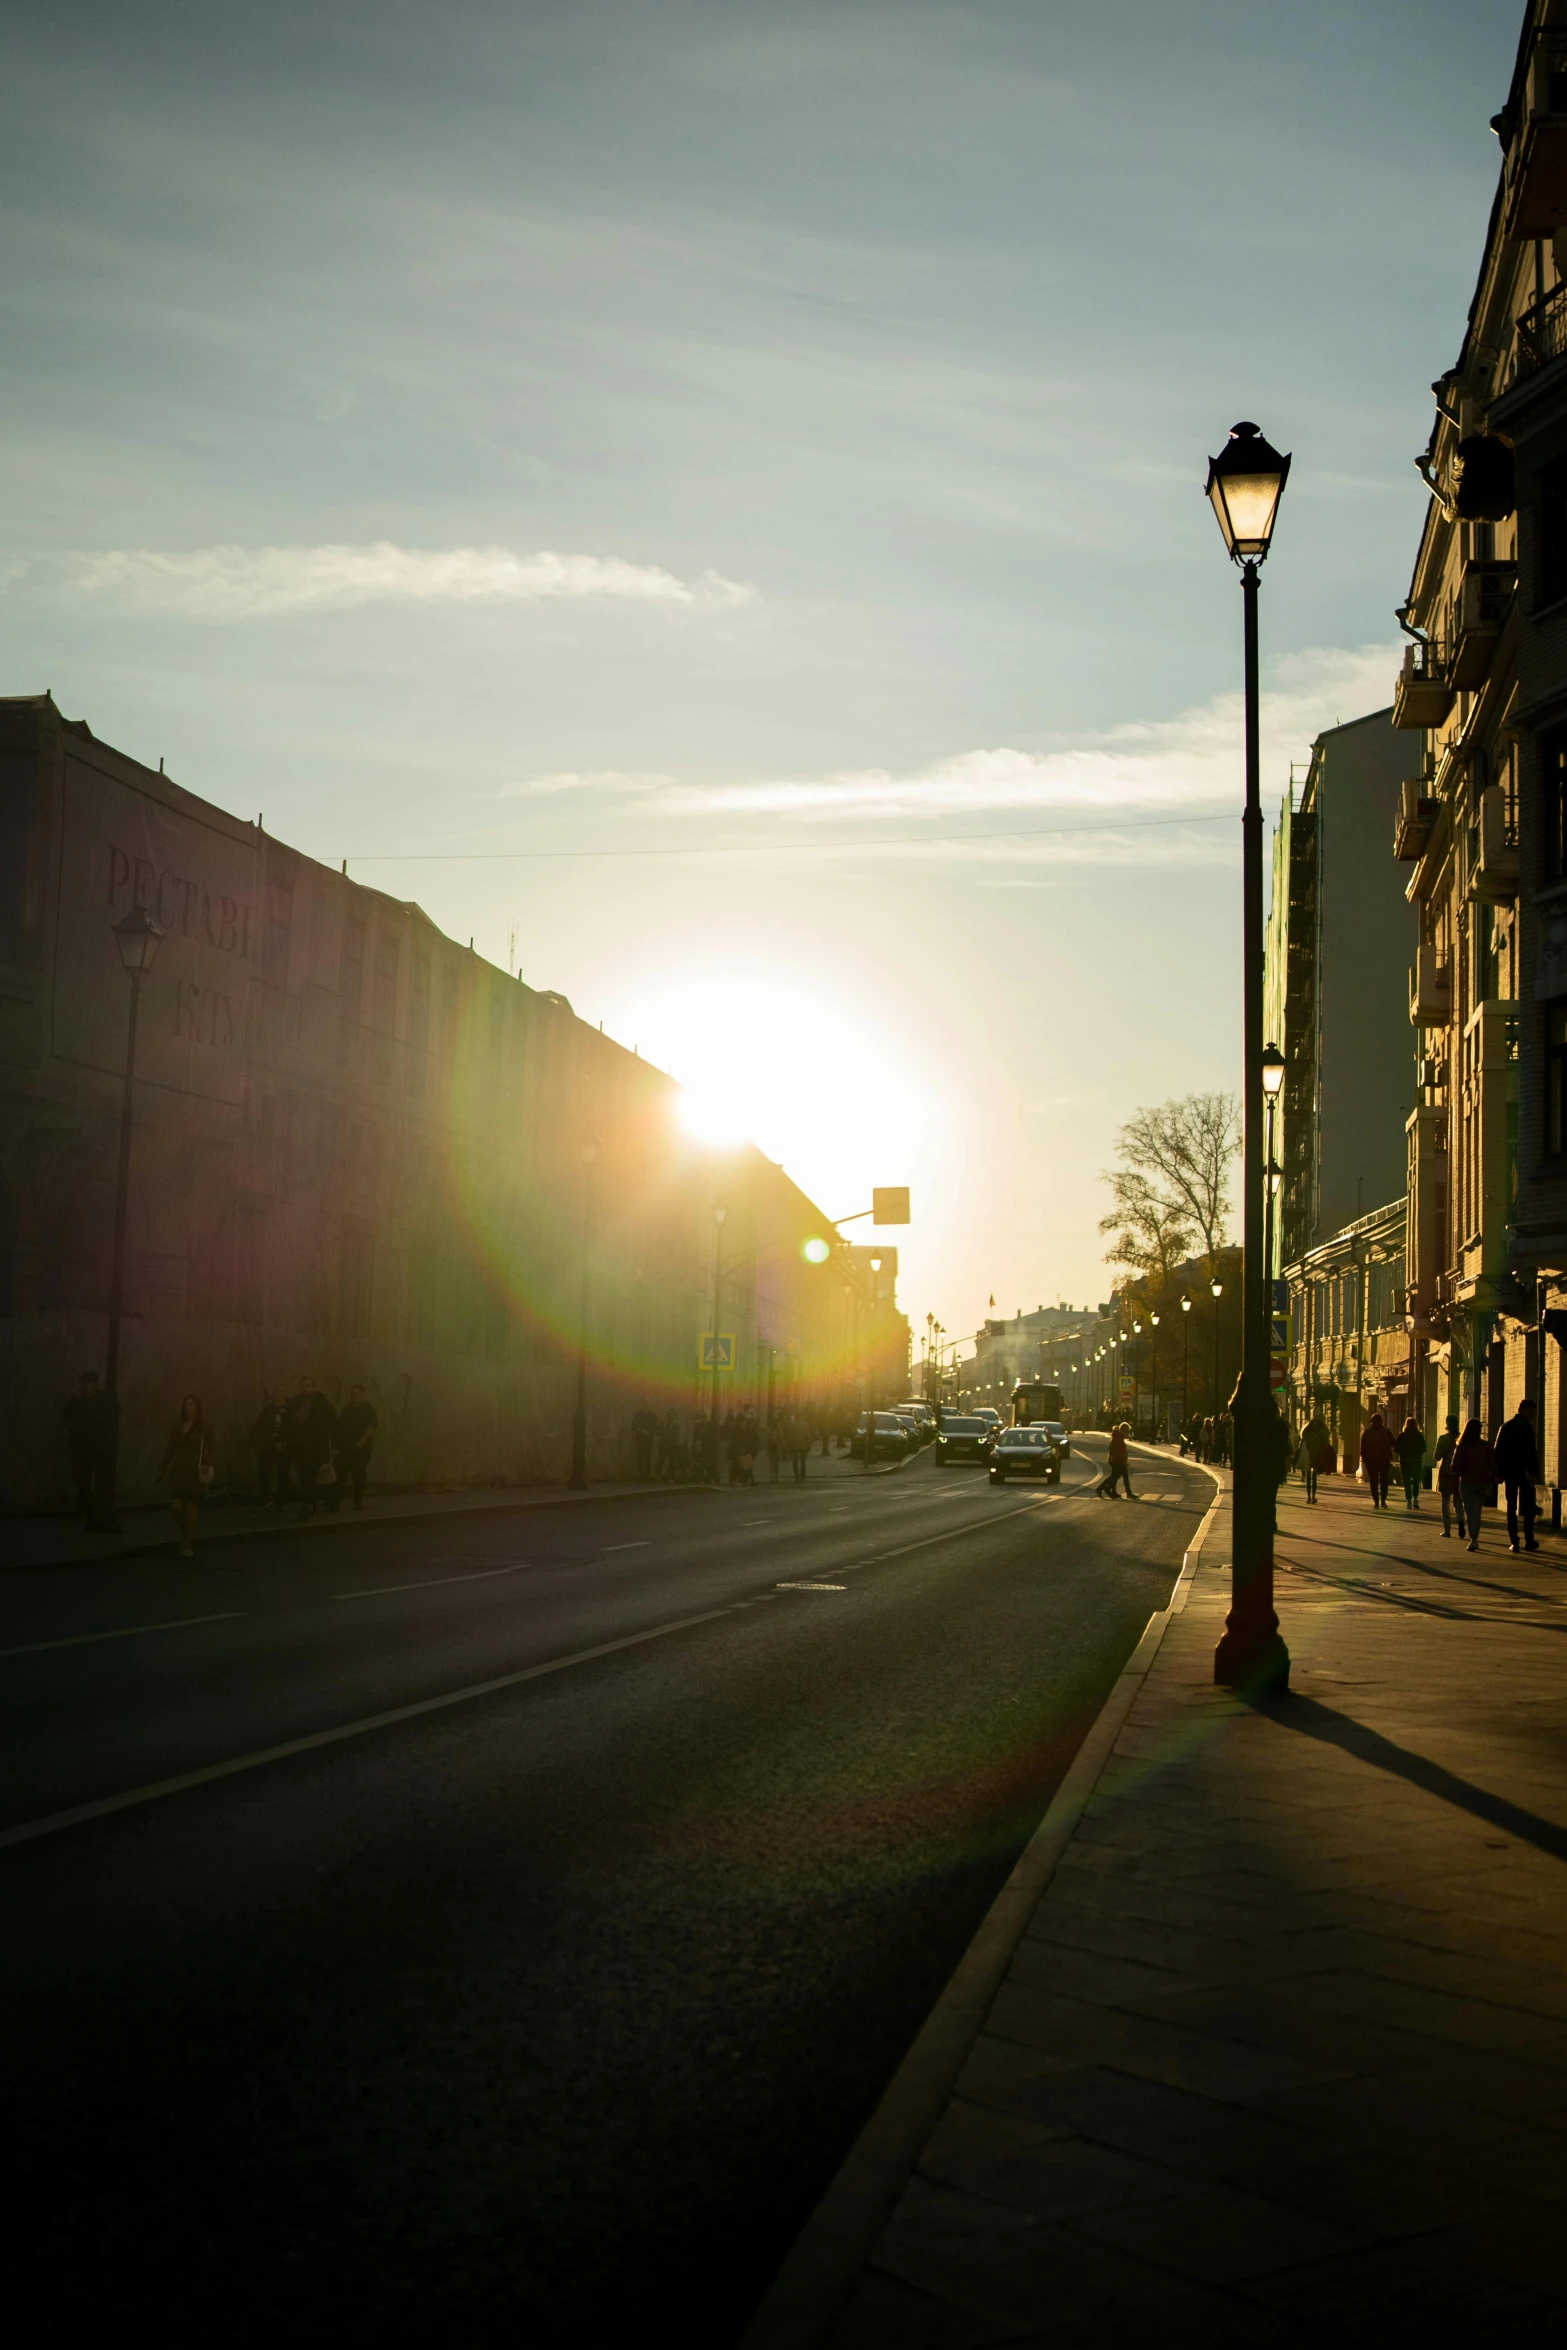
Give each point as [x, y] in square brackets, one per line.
[964, 1437]
[1024, 1452]
[890, 1440]
[921, 1413]
[911, 1427]
[1056, 1429]
[988, 1413]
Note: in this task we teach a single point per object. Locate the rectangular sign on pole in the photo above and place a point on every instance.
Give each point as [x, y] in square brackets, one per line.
[1128, 1387]
[716, 1350]
[890, 1204]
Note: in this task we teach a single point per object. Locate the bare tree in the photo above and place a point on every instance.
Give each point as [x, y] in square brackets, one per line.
[1181, 1152]
[1150, 1233]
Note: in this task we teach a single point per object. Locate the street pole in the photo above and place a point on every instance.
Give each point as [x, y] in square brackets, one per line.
[1251, 1654]
[1186, 1351]
[578, 1480]
[718, 1297]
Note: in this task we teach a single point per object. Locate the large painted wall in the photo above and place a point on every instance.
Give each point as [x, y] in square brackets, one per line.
[358, 1153]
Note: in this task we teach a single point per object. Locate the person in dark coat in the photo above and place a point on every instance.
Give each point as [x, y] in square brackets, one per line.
[264, 1443]
[1376, 1458]
[85, 1420]
[1475, 1474]
[644, 1428]
[1313, 1444]
[1118, 1470]
[1412, 1462]
[357, 1423]
[1518, 1458]
[309, 1425]
[1446, 1482]
[187, 1465]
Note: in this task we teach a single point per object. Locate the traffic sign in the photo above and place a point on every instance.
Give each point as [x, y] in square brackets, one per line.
[1278, 1372]
[890, 1203]
[1128, 1387]
[716, 1350]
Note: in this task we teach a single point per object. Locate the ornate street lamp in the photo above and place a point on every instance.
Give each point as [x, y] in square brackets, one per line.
[1186, 1340]
[1153, 1349]
[1245, 483]
[578, 1479]
[138, 939]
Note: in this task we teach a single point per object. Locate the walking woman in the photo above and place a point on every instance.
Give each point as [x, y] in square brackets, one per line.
[187, 1464]
[1412, 1462]
[1314, 1443]
[1474, 1473]
[1446, 1482]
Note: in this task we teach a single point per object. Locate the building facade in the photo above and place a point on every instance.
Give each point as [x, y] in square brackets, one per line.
[359, 1152]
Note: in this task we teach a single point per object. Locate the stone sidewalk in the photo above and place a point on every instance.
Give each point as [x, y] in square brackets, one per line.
[1281, 2049]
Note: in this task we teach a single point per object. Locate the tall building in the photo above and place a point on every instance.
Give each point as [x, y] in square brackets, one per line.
[1338, 946]
[359, 1152]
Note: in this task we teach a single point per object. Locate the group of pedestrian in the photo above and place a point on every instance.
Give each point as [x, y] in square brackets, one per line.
[1209, 1438]
[1469, 1471]
[729, 1450]
[306, 1451]
[1118, 1470]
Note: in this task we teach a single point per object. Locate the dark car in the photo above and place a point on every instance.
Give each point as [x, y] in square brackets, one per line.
[963, 1439]
[1024, 1452]
[1063, 1442]
[889, 1442]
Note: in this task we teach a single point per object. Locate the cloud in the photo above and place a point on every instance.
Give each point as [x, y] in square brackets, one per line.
[232, 583]
[604, 779]
[1143, 769]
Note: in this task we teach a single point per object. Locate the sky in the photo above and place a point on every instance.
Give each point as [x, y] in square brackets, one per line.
[711, 490]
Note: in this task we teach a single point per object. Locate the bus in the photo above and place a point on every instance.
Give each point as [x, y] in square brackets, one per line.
[1033, 1401]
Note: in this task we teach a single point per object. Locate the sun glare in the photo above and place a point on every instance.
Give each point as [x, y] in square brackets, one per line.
[712, 1116]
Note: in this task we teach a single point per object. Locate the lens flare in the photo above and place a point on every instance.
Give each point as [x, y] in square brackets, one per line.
[709, 1117]
[816, 1251]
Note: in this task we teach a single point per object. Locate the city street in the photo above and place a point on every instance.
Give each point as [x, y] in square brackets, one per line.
[613, 1857]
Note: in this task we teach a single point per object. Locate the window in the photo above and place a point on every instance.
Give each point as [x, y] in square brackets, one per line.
[1551, 532]
[1553, 802]
[1556, 1080]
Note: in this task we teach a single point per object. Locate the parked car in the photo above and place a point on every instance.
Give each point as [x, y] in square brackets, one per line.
[963, 1438]
[1056, 1429]
[922, 1414]
[1024, 1452]
[907, 1422]
[889, 1441]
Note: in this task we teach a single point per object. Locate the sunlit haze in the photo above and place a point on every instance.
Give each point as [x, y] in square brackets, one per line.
[714, 493]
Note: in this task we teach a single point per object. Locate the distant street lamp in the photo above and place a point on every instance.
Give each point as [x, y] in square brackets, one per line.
[1245, 484]
[1186, 1343]
[138, 939]
[1153, 1348]
[719, 1214]
[1218, 1291]
[578, 1480]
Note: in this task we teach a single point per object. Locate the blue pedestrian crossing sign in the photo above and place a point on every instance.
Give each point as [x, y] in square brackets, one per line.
[716, 1350]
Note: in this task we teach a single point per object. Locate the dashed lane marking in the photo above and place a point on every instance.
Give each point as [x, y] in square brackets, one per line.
[125, 1632]
[432, 1583]
[810, 1586]
[609, 1546]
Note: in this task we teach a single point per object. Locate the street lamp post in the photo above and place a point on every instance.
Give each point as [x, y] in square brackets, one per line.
[1137, 1382]
[1245, 484]
[138, 938]
[1217, 1287]
[1186, 1349]
[579, 1419]
[1153, 1349]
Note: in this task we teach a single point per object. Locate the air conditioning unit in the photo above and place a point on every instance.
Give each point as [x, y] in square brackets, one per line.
[1485, 594]
[1494, 879]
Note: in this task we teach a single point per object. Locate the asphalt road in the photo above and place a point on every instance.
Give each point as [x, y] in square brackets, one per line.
[541, 2013]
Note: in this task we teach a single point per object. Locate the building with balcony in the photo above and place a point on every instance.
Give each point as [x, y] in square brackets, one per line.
[359, 1151]
[1483, 691]
[1350, 1353]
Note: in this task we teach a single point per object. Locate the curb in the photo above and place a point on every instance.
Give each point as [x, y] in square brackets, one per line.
[821, 2268]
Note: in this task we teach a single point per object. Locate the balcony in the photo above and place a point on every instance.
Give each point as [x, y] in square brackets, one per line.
[1480, 610]
[1430, 991]
[1423, 695]
[1541, 334]
[1416, 817]
[1494, 878]
[1535, 174]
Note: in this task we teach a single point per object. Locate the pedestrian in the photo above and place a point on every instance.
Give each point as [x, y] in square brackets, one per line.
[799, 1444]
[187, 1464]
[643, 1429]
[1119, 1470]
[775, 1449]
[356, 1427]
[1475, 1472]
[1446, 1483]
[309, 1424]
[1314, 1443]
[1376, 1459]
[1412, 1462]
[1518, 1458]
[668, 1446]
[85, 1418]
[1281, 1449]
[263, 1441]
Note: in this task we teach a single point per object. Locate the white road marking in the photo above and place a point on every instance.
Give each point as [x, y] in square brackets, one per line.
[125, 1632]
[80, 1813]
[810, 1586]
[758, 1521]
[609, 1546]
[432, 1583]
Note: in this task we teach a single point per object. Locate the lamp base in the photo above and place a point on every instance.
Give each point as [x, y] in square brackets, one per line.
[1251, 1659]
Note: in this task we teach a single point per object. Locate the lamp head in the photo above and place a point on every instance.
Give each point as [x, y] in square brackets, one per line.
[1272, 1071]
[1186, 1305]
[719, 1214]
[1245, 483]
[1218, 1288]
[138, 938]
